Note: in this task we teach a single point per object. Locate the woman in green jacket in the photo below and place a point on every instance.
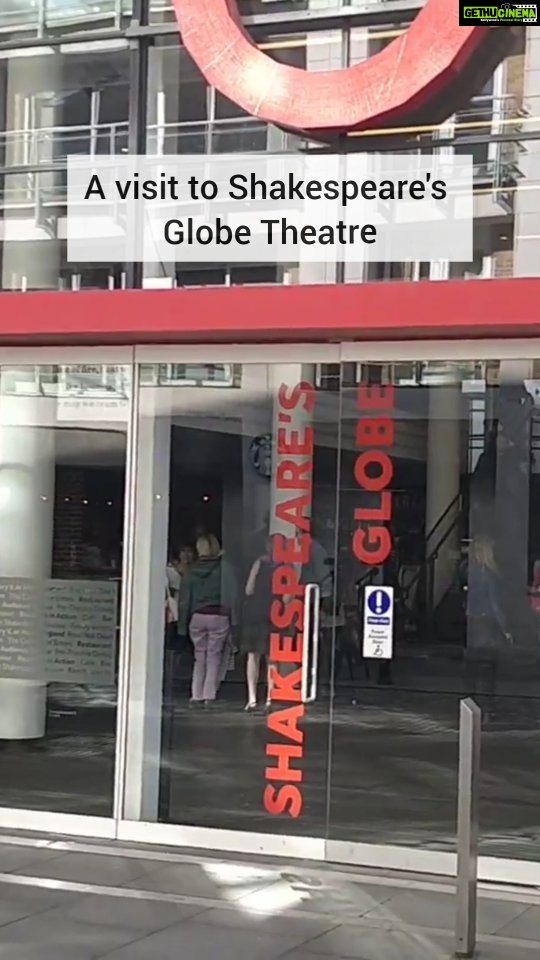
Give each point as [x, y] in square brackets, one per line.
[208, 611]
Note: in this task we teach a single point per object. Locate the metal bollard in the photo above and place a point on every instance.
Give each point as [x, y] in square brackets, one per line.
[470, 732]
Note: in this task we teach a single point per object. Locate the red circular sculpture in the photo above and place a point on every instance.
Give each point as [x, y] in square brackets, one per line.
[424, 75]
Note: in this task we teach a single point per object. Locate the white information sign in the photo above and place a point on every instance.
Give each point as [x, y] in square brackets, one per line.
[58, 630]
[378, 623]
[80, 618]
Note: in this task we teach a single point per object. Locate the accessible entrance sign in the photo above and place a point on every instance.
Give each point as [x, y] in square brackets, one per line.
[378, 623]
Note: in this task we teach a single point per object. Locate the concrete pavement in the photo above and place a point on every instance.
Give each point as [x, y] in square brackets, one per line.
[61, 900]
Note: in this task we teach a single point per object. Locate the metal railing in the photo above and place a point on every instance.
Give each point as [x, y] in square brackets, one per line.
[417, 595]
[508, 172]
[45, 187]
[111, 381]
[19, 15]
[49, 147]
[98, 381]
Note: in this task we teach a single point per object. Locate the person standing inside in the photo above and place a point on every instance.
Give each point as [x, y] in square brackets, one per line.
[172, 588]
[182, 566]
[489, 638]
[208, 612]
[177, 568]
[256, 625]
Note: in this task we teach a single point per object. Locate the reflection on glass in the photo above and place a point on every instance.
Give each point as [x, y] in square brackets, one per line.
[80, 12]
[62, 465]
[464, 563]
[63, 104]
[22, 15]
[18, 13]
[40, 262]
[74, 102]
[163, 9]
[462, 553]
[56, 105]
[185, 116]
[217, 495]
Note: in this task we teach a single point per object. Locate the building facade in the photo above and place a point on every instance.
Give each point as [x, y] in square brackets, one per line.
[393, 423]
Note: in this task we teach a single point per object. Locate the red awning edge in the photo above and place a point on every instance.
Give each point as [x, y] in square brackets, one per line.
[435, 310]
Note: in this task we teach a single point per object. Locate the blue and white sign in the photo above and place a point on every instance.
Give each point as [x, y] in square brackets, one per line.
[378, 638]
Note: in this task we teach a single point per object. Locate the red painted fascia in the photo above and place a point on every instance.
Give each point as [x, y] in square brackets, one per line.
[369, 311]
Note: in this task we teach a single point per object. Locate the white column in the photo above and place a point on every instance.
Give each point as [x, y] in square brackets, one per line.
[444, 450]
[27, 465]
[143, 748]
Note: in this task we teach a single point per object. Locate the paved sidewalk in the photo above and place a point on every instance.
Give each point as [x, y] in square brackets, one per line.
[61, 900]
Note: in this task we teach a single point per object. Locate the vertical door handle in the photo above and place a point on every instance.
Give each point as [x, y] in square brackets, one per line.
[310, 651]
[316, 592]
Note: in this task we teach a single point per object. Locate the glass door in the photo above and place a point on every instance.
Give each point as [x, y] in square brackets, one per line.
[234, 588]
[439, 483]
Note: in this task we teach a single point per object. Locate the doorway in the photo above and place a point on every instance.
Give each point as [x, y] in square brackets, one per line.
[396, 468]
[236, 509]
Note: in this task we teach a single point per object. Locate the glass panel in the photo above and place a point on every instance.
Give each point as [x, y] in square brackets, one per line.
[439, 489]
[55, 105]
[237, 488]
[17, 15]
[162, 10]
[178, 102]
[31, 17]
[62, 470]
[186, 116]
[254, 7]
[33, 257]
[83, 14]
[490, 127]
[313, 51]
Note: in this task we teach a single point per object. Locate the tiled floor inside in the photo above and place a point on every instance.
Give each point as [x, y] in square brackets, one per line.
[68, 901]
[383, 772]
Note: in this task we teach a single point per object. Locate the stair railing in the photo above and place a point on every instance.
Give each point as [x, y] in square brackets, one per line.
[424, 579]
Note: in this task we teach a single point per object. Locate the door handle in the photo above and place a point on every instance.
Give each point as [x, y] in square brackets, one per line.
[316, 638]
[310, 652]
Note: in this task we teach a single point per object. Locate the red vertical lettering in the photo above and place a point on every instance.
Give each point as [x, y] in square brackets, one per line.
[293, 471]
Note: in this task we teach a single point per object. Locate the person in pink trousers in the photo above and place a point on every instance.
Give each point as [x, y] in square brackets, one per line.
[207, 610]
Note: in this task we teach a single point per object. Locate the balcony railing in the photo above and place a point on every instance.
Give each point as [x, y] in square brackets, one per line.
[103, 381]
[26, 15]
[98, 381]
[50, 146]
